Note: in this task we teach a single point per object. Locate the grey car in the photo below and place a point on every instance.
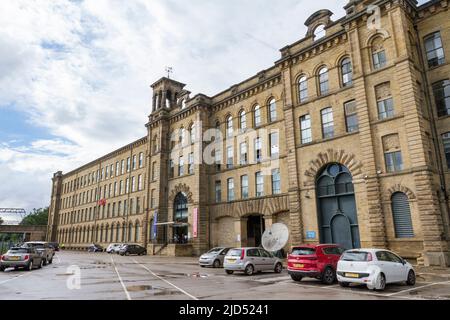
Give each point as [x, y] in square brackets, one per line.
[213, 257]
[44, 248]
[251, 260]
[21, 257]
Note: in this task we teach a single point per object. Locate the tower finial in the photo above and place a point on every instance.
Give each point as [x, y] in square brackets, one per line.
[169, 70]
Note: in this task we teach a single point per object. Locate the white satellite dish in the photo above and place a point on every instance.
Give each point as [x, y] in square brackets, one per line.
[276, 237]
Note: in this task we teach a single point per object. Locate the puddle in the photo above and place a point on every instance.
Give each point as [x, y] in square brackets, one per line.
[155, 290]
[197, 275]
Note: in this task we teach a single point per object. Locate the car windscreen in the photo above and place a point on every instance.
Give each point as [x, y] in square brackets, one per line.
[303, 251]
[18, 250]
[215, 250]
[234, 253]
[35, 245]
[355, 256]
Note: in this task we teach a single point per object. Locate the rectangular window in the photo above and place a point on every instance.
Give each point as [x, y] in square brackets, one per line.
[274, 145]
[446, 142]
[152, 199]
[243, 154]
[276, 181]
[435, 50]
[133, 184]
[154, 171]
[305, 128]
[141, 160]
[127, 186]
[218, 159]
[218, 191]
[441, 92]
[125, 207]
[122, 169]
[115, 189]
[121, 187]
[181, 167]
[351, 117]
[230, 184]
[117, 168]
[138, 205]
[259, 181]
[327, 123]
[107, 172]
[230, 156]
[385, 109]
[128, 164]
[258, 150]
[140, 182]
[134, 162]
[394, 161]
[191, 163]
[119, 208]
[379, 59]
[244, 187]
[172, 169]
[111, 171]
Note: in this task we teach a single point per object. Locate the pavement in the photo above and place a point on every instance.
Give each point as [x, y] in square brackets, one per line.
[100, 276]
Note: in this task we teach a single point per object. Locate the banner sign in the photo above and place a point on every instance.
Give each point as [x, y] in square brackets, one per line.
[154, 227]
[195, 224]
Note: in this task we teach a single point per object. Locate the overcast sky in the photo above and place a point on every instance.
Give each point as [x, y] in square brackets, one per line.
[75, 75]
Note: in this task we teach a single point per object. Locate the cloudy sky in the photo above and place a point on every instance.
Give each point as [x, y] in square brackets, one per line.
[75, 75]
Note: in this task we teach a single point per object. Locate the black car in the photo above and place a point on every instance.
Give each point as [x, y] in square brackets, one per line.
[96, 248]
[54, 245]
[128, 249]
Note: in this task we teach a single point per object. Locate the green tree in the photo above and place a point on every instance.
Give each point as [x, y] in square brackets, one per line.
[38, 217]
[1, 221]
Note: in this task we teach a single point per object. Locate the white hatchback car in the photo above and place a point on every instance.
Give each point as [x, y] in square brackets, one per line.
[374, 268]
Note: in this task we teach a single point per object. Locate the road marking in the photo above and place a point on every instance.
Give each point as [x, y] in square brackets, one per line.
[417, 288]
[22, 275]
[155, 275]
[120, 279]
[273, 279]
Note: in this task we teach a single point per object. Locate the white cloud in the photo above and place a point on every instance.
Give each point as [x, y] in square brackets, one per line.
[82, 69]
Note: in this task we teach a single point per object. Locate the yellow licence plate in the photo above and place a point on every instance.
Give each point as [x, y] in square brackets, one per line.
[299, 265]
[14, 258]
[231, 261]
[352, 275]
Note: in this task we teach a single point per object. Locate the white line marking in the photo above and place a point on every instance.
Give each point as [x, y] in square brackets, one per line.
[22, 275]
[120, 279]
[155, 275]
[417, 288]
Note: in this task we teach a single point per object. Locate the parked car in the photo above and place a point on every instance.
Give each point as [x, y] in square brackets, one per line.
[128, 249]
[95, 248]
[54, 245]
[251, 260]
[112, 247]
[374, 268]
[21, 257]
[44, 248]
[314, 261]
[213, 257]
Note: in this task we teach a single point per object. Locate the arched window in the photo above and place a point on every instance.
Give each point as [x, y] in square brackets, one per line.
[111, 237]
[272, 110]
[302, 89]
[378, 53]
[323, 81]
[118, 233]
[242, 120]
[257, 116]
[347, 72]
[401, 212]
[130, 232]
[229, 126]
[182, 138]
[124, 229]
[319, 32]
[180, 217]
[106, 233]
[136, 232]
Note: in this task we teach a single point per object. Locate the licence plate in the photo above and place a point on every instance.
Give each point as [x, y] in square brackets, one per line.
[14, 258]
[299, 265]
[352, 275]
[231, 261]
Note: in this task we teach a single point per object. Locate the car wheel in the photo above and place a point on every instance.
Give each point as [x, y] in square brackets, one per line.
[127, 253]
[145, 253]
[278, 268]
[45, 262]
[30, 266]
[2, 269]
[411, 281]
[229, 271]
[50, 261]
[249, 270]
[380, 284]
[216, 264]
[328, 276]
[296, 277]
[41, 264]
[344, 284]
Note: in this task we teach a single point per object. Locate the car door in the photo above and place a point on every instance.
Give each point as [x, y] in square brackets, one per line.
[386, 266]
[267, 260]
[254, 258]
[398, 267]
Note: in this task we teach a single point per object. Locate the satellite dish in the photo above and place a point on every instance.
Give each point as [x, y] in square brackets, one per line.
[276, 237]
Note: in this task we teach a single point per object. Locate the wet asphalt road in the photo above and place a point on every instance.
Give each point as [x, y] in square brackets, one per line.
[112, 277]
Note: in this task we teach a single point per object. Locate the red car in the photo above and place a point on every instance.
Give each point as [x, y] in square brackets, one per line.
[314, 261]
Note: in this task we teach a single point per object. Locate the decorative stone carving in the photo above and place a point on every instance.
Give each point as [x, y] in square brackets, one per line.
[181, 188]
[332, 156]
[399, 188]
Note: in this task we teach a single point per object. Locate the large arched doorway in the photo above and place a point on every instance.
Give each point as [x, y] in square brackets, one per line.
[180, 218]
[255, 230]
[337, 214]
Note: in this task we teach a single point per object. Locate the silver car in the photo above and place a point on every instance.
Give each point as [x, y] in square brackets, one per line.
[23, 257]
[213, 257]
[44, 248]
[251, 260]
